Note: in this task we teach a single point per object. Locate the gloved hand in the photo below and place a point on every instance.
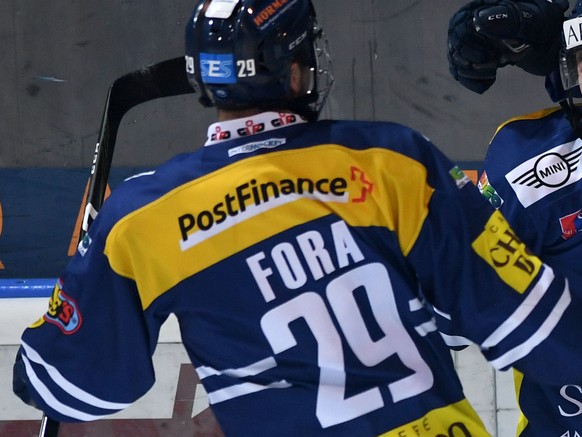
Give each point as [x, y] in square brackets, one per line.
[485, 35]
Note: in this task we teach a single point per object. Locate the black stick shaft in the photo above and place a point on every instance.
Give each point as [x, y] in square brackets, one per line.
[164, 79]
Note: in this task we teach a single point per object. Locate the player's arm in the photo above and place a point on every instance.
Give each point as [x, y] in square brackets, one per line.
[90, 355]
[485, 35]
[495, 187]
[493, 291]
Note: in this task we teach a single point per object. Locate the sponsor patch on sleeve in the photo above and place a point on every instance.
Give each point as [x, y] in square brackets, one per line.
[63, 311]
[500, 247]
[460, 178]
[488, 191]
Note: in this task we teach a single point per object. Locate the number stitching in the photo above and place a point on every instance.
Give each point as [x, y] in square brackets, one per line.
[332, 407]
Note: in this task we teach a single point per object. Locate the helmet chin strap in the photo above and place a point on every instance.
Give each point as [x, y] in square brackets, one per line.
[573, 113]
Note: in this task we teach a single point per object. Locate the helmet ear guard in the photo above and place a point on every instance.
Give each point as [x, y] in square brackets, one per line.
[239, 55]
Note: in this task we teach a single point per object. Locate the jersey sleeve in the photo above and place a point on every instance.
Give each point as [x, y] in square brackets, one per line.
[494, 187]
[94, 325]
[486, 284]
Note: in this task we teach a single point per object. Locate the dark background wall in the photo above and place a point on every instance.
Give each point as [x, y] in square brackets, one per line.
[59, 58]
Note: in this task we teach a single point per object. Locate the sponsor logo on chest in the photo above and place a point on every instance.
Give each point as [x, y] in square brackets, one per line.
[546, 173]
[571, 224]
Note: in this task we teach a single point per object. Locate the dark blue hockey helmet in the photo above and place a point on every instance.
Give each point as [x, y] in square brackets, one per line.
[239, 54]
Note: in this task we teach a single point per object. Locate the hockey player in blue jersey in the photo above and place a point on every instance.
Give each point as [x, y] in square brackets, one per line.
[532, 170]
[303, 260]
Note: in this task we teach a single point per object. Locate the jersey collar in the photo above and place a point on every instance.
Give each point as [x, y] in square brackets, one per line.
[243, 127]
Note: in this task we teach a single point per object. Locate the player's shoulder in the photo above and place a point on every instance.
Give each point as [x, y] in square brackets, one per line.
[532, 133]
[361, 134]
[543, 122]
[370, 127]
[143, 188]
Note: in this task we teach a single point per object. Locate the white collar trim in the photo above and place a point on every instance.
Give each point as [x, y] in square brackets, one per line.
[243, 127]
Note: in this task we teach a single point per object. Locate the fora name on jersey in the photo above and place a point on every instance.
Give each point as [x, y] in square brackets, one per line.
[321, 261]
[546, 173]
[253, 198]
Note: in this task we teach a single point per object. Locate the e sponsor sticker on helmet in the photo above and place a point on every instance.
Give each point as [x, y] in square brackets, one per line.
[501, 248]
[217, 68]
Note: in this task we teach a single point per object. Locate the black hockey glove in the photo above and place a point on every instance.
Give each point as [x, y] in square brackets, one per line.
[485, 35]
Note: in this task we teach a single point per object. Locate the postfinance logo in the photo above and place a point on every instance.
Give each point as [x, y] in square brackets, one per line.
[252, 198]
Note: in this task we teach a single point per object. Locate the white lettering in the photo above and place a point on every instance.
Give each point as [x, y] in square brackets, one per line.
[289, 266]
[288, 261]
[572, 400]
[214, 68]
[573, 29]
[261, 275]
[311, 244]
[345, 244]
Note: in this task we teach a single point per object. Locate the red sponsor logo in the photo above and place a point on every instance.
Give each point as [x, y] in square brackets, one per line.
[284, 120]
[63, 311]
[367, 186]
[571, 224]
[219, 134]
[251, 128]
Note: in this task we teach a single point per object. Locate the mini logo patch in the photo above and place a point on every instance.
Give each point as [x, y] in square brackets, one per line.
[571, 224]
[63, 311]
[546, 173]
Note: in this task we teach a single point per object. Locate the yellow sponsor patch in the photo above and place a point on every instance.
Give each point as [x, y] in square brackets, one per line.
[500, 247]
[455, 420]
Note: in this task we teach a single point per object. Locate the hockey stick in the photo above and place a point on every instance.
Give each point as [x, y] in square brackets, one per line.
[164, 79]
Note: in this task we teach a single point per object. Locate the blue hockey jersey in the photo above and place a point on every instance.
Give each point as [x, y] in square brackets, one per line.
[302, 261]
[532, 173]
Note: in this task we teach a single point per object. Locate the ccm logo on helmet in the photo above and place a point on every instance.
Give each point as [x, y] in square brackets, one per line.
[298, 41]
